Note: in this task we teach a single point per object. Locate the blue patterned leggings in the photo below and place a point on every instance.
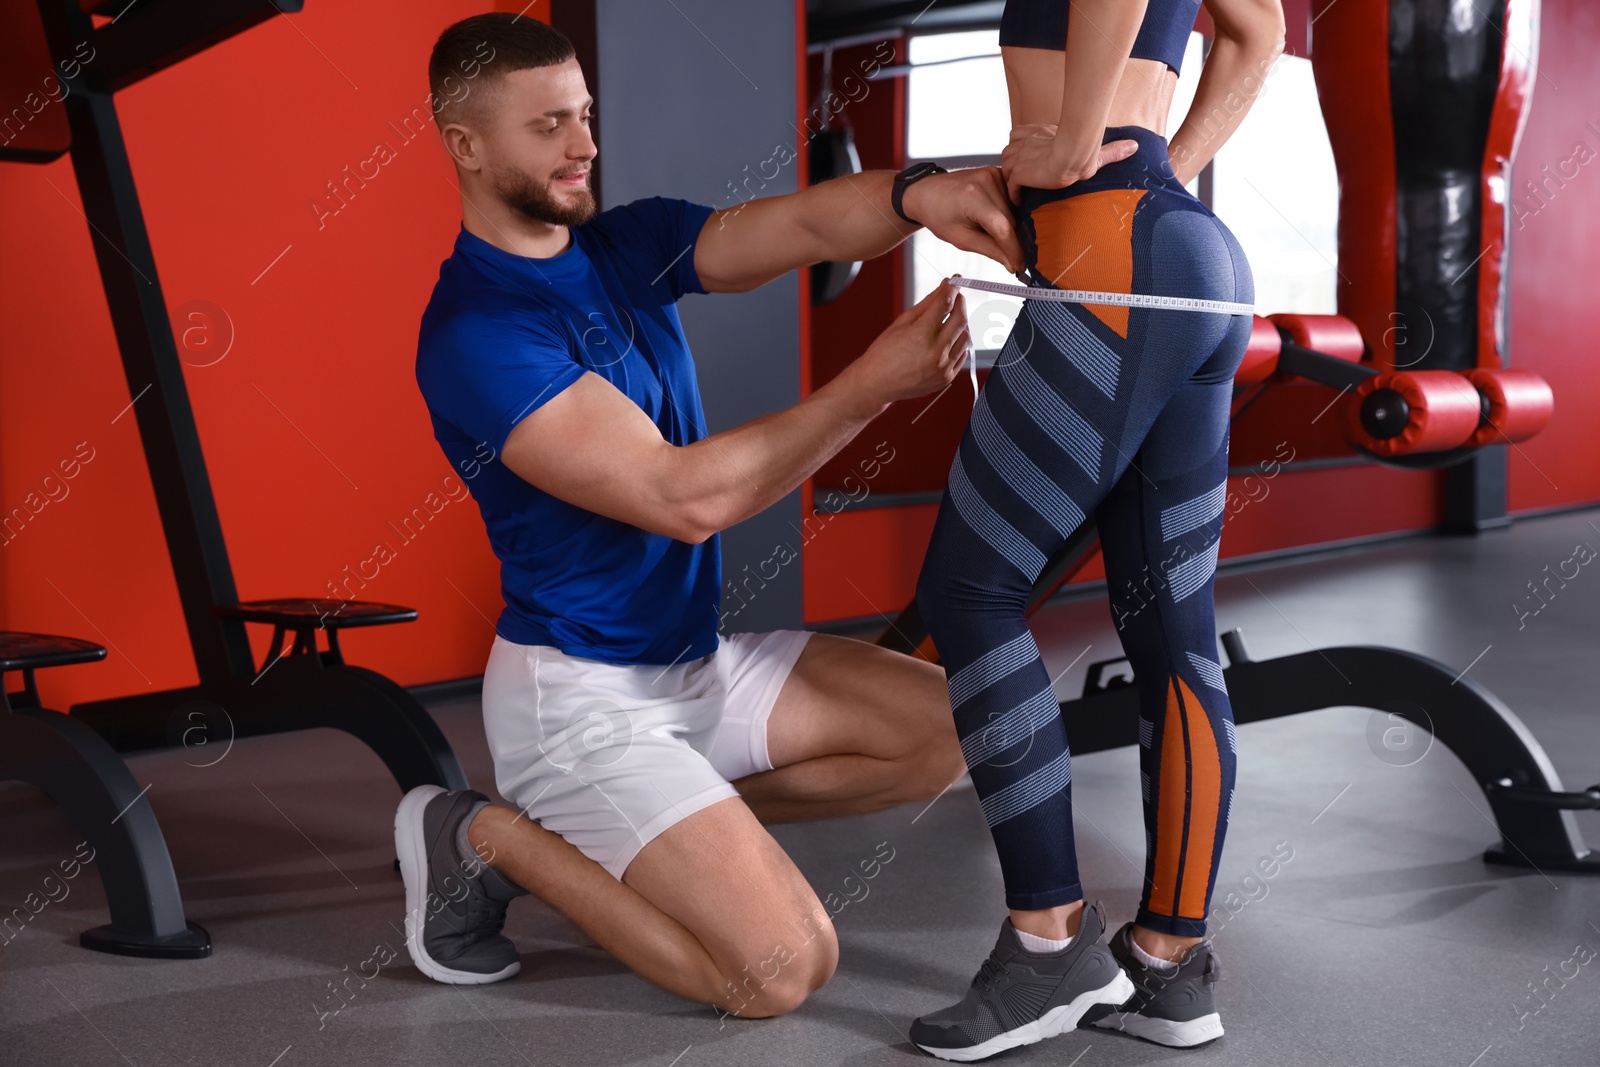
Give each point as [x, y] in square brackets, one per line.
[1123, 414]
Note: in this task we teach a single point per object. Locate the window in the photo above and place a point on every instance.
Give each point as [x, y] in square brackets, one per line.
[1275, 186]
[1273, 183]
[957, 100]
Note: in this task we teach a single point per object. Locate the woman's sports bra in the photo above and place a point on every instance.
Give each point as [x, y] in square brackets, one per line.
[1043, 24]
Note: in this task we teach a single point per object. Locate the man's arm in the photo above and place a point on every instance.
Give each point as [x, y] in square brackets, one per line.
[851, 218]
[593, 447]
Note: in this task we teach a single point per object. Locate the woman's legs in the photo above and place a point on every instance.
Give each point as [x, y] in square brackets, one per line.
[1073, 398]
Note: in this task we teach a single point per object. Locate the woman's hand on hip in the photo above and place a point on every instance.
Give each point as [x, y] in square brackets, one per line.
[1036, 159]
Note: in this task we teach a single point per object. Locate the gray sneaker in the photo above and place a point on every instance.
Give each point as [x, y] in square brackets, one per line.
[1020, 997]
[1179, 1010]
[455, 904]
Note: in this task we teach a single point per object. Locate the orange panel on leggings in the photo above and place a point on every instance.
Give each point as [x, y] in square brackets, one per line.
[1190, 798]
[1086, 242]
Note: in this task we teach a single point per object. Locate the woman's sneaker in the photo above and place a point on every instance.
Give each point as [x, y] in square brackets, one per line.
[1020, 997]
[455, 903]
[1176, 1009]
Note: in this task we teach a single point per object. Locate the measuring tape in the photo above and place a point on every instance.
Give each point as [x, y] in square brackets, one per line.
[1085, 296]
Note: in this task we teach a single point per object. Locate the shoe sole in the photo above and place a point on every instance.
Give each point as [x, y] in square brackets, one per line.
[1167, 1032]
[412, 848]
[1052, 1023]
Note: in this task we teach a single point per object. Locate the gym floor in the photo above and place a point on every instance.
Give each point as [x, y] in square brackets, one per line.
[1385, 939]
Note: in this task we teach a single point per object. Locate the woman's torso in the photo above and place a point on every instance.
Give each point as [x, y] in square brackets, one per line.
[1033, 34]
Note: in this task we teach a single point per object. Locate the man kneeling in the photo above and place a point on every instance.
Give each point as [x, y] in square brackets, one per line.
[643, 751]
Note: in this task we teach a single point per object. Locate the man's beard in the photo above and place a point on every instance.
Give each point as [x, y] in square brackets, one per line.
[533, 198]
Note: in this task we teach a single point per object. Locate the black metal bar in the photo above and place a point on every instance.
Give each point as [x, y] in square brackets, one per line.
[1317, 367]
[149, 36]
[74, 758]
[1476, 492]
[294, 693]
[1484, 734]
[150, 363]
[905, 632]
[80, 772]
[399, 729]
[1588, 800]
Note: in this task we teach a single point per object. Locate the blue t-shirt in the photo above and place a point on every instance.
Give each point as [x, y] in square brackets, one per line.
[503, 334]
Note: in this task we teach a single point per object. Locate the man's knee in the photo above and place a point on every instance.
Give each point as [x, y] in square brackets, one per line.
[936, 765]
[785, 973]
[948, 766]
[777, 997]
[933, 759]
[788, 991]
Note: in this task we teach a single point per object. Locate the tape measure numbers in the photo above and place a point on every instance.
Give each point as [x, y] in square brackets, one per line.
[1085, 296]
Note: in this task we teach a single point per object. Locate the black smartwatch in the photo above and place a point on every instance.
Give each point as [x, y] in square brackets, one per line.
[914, 173]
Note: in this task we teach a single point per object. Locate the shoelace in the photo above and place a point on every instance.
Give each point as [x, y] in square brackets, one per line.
[988, 974]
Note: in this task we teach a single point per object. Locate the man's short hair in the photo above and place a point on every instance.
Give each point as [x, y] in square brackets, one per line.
[472, 56]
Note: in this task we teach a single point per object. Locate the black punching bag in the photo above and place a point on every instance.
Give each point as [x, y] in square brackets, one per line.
[1423, 100]
[833, 154]
[1444, 68]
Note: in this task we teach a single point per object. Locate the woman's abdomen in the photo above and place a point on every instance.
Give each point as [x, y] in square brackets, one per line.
[1035, 78]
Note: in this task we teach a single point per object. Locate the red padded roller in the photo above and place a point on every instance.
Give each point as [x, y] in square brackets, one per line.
[1332, 335]
[1520, 404]
[1261, 355]
[1397, 412]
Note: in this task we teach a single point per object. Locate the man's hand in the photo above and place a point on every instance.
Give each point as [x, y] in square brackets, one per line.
[1036, 158]
[969, 209]
[919, 353]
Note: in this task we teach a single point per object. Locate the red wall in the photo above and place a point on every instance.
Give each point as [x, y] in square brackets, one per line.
[317, 440]
[1555, 318]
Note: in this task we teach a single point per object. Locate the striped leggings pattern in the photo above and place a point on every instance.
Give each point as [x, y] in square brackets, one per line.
[1122, 417]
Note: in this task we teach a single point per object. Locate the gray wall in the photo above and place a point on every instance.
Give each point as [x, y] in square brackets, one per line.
[690, 94]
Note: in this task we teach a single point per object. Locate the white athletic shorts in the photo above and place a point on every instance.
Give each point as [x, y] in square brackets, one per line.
[609, 755]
